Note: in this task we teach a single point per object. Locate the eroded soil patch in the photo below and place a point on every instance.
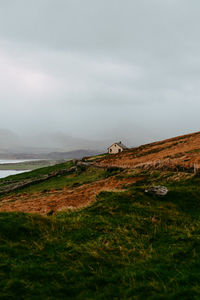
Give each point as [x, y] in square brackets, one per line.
[57, 200]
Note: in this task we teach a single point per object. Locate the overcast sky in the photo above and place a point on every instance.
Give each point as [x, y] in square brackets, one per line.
[100, 68]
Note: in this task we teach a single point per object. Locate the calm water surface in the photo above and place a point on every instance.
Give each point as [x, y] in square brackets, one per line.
[5, 173]
[14, 161]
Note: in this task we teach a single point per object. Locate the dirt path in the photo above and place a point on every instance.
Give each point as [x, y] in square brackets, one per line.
[44, 203]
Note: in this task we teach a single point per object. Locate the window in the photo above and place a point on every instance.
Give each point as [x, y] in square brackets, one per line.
[119, 150]
[110, 150]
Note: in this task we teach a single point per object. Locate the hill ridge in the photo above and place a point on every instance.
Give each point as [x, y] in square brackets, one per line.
[177, 153]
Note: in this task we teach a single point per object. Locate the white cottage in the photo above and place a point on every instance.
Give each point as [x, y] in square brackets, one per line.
[116, 148]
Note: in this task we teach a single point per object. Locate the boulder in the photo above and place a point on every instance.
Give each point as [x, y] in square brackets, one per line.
[157, 190]
[73, 169]
[75, 161]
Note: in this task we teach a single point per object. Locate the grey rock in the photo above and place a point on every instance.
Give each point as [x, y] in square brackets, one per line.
[75, 161]
[73, 169]
[157, 190]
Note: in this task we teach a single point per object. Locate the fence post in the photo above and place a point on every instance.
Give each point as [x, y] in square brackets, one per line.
[196, 167]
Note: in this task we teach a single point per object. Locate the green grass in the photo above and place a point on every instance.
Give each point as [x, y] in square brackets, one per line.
[55, 182]
[110, 250]
[84, 175]
[37, 173]
[67, 181]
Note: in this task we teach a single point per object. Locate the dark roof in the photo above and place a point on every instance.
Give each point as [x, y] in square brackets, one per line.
[120, 144]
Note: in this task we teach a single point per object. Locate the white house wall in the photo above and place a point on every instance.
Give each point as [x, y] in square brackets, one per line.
[115, 149]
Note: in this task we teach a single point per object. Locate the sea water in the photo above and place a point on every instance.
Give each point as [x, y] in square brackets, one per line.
[5, 173]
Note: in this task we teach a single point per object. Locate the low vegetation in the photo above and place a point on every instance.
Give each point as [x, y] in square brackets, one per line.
[36, 173]
[27, 165]
[60, 178]
[126, 245]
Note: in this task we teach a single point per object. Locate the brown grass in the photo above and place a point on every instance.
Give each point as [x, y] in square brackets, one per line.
[56, 200]
[182, 152]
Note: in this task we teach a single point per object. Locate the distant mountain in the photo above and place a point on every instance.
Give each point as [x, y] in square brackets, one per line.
[8, 139]
[10, 142]
[61, 142]
[53, 145]
[47, 146]
[70, 155]
[78, 154]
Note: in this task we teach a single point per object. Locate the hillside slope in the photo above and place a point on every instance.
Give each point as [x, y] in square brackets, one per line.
[88, 232]
[179, 153]
[54, 188]
[126, 245]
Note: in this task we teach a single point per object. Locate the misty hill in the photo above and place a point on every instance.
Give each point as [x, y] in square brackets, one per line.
[46, 142]
[48, 145]
[78, 154]
[8, 140]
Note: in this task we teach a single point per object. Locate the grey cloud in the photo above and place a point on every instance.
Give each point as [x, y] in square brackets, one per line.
[100, 68]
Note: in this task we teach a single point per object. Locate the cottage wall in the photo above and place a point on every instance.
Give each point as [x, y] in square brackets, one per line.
[115, 149]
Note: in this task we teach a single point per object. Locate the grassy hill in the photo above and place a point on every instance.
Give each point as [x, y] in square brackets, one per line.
[179, 153]
[122, 243]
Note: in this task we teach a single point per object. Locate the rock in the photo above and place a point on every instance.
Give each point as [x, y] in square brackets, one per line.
[81, 163]
[157, 190]
[73, 169]
[75, 161]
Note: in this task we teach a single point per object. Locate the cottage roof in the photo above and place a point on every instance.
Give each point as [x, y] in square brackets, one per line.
[120, 144]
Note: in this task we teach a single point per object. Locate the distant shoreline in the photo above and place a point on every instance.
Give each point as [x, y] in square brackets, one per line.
[26, 165]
